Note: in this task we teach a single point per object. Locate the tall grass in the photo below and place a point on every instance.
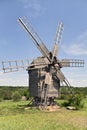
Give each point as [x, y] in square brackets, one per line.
[14, 116]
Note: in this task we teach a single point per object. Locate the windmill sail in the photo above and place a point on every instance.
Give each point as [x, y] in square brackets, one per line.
[60, 76]
[57, 39]
[16, 65]
[34, 36]
[72, 63]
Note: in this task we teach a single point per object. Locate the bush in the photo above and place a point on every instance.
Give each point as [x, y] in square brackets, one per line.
[26, 94]
[16, 96]
[65, 96]
[0, 99]
[75, 100]
[6, 95]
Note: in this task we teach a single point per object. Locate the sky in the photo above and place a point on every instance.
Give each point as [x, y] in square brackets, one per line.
[44, 16]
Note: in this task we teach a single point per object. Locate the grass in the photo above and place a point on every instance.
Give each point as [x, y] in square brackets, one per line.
[13, 116]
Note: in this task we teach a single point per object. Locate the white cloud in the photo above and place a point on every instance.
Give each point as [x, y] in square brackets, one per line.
[34, 7]
[1, 73]
[76, 78]
[77, 82]
[78, 46]
[14, 79]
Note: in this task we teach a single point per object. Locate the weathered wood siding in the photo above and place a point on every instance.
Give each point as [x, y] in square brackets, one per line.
[36, 82]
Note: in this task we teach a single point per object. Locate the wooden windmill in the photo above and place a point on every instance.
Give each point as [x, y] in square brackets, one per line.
[44, 72]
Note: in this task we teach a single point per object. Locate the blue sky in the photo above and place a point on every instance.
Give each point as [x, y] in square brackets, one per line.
[44, 15]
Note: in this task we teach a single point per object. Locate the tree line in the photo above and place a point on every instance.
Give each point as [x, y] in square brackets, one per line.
[15, 93]
[10, 92]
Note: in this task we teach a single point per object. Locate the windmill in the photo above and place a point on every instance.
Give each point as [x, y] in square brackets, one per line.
[45, 73]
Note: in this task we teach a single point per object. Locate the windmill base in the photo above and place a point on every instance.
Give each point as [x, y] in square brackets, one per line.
[47, 105]
[49, 108]
[49, 101]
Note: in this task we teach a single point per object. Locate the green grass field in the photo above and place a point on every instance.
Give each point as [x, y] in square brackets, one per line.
[13, 116]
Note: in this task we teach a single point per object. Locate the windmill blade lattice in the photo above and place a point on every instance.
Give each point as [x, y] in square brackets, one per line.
[16, 65]
[72, 63]
[58, 38]
[34, 36]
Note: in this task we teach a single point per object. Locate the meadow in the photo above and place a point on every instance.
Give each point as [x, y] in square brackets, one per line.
[14, 116]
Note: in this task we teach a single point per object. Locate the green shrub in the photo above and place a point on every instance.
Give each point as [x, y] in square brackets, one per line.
[75, 100]
[6, 94]
[16, 96]
[26, 94]
[65, 96]
[0, 99]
